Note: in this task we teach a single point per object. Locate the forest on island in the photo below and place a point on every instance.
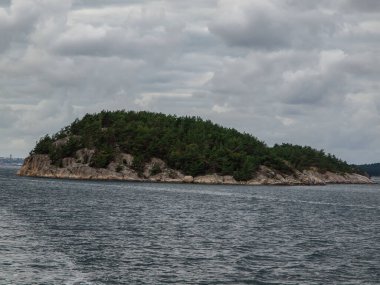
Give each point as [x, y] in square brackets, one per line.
[189, 144]
[372, 169]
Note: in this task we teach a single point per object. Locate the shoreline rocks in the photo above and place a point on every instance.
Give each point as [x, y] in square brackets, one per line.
[40, 166]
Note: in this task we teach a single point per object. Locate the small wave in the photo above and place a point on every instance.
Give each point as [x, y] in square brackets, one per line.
[31, 259]
[274, 199]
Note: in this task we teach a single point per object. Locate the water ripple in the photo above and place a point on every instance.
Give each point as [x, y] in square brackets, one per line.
[86, 232]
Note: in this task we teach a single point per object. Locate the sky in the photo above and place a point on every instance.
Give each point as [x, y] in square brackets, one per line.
[286, 71]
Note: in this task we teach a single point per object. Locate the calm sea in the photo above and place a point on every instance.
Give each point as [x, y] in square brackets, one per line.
[87, 232]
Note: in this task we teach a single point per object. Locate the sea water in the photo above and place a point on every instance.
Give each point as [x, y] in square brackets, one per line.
[89, 232]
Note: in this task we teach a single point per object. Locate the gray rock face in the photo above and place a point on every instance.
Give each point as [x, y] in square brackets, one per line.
[157, 171]
[84, 155]
[209, 179]
[188, 179]
[36, 165]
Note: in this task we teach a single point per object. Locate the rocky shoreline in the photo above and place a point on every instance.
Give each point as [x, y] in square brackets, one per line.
[77, 168]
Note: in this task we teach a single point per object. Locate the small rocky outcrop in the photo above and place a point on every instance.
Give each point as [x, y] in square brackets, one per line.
[36, 165]
[156, 170]
[209, 179]
[188, 179]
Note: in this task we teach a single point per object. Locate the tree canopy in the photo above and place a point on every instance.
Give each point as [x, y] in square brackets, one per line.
[189, 144]
[372, 169]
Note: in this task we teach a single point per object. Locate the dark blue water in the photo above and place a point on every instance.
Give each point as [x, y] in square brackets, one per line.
[82, 232]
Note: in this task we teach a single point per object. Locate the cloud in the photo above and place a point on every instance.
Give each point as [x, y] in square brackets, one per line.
[7, 117]
[221, 109]
[268, 25]
[286, 71]
[148, 98]
[368, 6]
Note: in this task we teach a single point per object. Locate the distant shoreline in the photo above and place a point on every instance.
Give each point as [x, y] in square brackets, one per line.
[15, 166]
[9, 162]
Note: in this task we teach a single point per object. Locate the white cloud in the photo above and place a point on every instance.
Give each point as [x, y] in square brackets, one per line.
[286, 121]
[221, 109]
[147, 99]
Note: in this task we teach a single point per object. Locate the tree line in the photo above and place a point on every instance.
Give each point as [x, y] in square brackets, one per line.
[189, 144]
[372, 169]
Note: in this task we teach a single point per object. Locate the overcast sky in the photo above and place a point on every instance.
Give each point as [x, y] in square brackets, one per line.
[304, 72]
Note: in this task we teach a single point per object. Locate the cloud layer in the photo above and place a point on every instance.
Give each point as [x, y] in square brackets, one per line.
[294, 71]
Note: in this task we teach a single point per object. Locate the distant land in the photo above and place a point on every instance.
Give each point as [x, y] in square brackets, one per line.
[146, 146]
[11, 162]
[372, 169]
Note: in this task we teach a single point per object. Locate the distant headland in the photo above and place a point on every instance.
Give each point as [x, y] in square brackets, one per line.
[146, 146]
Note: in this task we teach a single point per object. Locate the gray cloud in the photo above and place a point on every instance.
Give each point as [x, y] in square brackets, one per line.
[268, 25]
[287, 71]
[369, 6]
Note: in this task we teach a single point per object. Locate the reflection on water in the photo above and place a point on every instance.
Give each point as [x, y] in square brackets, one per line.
[85, 232]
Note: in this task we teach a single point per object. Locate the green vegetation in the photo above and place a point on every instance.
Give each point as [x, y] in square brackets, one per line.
[304, 157]
[188, 144]
[372, 169]
[155, 169]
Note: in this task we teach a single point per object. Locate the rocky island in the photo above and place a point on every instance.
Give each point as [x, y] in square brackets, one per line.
[145, 146]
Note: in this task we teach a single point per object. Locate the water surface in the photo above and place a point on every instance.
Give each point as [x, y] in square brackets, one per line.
[87, 232]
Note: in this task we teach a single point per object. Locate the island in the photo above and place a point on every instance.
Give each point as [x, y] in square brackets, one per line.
[154, 147]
